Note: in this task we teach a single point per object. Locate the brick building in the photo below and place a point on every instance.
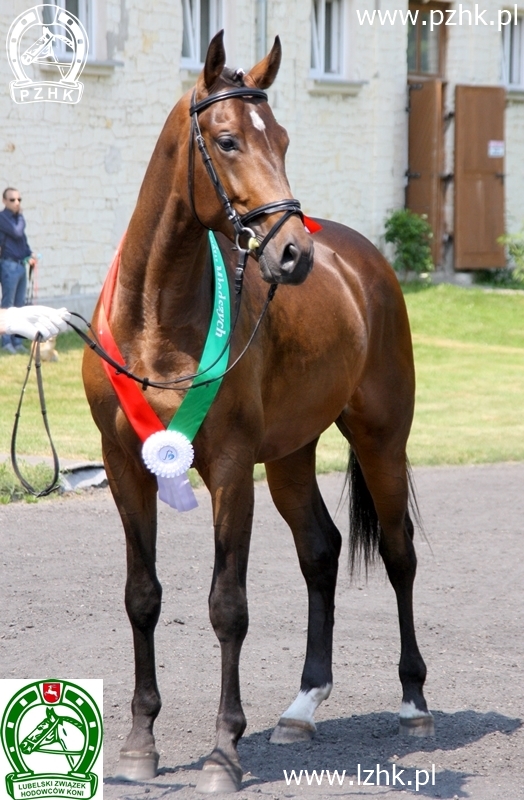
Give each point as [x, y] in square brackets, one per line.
[350, 71]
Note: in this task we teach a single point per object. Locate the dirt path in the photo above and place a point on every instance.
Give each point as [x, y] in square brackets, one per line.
[62, 600]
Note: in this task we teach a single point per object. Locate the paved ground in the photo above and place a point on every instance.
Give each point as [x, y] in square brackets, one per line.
[62, 600]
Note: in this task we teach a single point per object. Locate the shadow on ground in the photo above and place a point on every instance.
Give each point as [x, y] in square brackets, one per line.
[357, 744]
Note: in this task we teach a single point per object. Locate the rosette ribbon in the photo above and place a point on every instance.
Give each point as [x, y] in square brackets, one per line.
[168, 453]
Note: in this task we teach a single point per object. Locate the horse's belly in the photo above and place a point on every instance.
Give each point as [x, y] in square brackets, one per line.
[304, 424]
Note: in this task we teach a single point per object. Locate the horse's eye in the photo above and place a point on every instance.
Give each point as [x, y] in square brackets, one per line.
[227, 144]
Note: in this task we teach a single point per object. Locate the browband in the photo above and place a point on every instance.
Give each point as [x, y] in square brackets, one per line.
[241, 91]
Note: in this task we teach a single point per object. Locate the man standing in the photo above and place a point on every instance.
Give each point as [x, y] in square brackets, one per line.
[14, 252]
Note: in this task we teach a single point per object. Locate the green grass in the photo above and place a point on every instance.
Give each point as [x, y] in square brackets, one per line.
[74, 432]
[39, 476]
[469, 359]
[469, 355]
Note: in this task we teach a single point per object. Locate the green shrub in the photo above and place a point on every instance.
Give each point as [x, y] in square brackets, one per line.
[410, 234]
[515, 245]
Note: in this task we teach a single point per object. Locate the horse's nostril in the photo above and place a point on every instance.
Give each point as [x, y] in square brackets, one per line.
[289, 257]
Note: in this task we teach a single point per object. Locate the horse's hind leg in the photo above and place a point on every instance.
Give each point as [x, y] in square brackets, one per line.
[380, 517]
[135, 496]
[296, 495]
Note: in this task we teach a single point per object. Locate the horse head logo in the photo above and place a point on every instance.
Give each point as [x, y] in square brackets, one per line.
[53, 39]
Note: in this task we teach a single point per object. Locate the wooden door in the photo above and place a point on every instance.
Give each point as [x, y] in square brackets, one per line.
[479, 177]
[424, 193]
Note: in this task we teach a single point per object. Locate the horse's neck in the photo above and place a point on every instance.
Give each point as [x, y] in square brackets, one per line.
[164, 277]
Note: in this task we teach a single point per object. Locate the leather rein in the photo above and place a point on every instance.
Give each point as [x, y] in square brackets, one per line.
[289, 207]
[239, 223]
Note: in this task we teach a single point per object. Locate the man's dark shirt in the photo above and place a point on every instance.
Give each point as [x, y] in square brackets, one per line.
[13, 242]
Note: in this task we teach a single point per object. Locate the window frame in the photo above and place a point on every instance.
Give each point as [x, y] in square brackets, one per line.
[425, 8]
[512, 53]
[86, 15]
[192, 23]
[338, 43]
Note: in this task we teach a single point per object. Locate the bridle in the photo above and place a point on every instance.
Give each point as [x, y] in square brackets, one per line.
[241, 229]
[289, 207]
[239, 223]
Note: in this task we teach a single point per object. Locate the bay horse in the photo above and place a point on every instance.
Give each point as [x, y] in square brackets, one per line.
[335, 345]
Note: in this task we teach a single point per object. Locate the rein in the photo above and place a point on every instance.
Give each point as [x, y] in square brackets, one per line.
[289, 207]
[120, 368]
[54, 484]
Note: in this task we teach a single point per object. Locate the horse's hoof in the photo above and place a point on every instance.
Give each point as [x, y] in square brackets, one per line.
[289, 731]
[134, 765]
[219, 778]
[417, 726]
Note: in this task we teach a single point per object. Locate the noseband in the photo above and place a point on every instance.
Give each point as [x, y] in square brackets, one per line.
[239, 223]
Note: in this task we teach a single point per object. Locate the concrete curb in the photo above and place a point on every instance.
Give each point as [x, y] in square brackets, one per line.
[74, 475]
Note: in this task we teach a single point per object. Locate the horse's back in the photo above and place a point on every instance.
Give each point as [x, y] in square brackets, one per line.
[355, 255]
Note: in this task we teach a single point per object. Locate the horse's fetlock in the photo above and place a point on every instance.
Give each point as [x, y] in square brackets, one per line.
[233, 722]
[414, 673]
[146, 707]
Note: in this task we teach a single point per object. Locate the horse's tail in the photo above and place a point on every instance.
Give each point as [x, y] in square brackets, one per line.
[364, 527]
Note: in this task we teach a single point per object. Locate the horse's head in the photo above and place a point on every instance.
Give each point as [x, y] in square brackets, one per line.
[247, 148]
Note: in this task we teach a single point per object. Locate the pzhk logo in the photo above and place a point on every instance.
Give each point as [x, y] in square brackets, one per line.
[52, 734]
[54, 39]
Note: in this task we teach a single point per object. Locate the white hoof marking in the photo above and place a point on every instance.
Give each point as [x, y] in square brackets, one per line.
[306, 703]
[410, 711]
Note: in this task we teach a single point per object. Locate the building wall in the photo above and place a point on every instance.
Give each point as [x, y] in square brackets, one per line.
[474, 57]
[79, 168]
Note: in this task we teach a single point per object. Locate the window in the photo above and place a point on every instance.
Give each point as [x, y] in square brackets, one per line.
[513, 55]
[202, 19]
[425, 46]
[60, 50]
[327, 26]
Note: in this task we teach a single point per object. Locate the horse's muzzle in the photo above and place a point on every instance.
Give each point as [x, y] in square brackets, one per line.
[293, 267]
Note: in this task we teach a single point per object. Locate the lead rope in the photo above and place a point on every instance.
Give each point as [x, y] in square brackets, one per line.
[55, 483]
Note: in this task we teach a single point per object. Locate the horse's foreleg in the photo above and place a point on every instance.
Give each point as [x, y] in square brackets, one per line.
[134, 492]
[233, 514]
[385, 495]
[296, 495]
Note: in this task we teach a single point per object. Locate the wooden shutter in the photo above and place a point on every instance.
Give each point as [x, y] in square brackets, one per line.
[479, 177]
[424, 193]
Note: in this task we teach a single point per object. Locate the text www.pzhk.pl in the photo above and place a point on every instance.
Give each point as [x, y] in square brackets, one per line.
[447, 17]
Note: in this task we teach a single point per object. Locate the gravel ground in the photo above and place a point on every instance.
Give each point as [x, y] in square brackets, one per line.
[63, 615]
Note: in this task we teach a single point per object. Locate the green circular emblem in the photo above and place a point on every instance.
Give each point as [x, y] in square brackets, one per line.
[52, 734]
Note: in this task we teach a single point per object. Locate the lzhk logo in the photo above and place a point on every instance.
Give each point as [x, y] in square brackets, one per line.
[53, 39]
[52, 734]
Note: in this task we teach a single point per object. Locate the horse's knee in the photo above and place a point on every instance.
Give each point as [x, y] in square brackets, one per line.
[143, 601]
[228, 613]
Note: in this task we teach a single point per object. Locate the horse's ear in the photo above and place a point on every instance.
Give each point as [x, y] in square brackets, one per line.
[215, 59]
[264, 73]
